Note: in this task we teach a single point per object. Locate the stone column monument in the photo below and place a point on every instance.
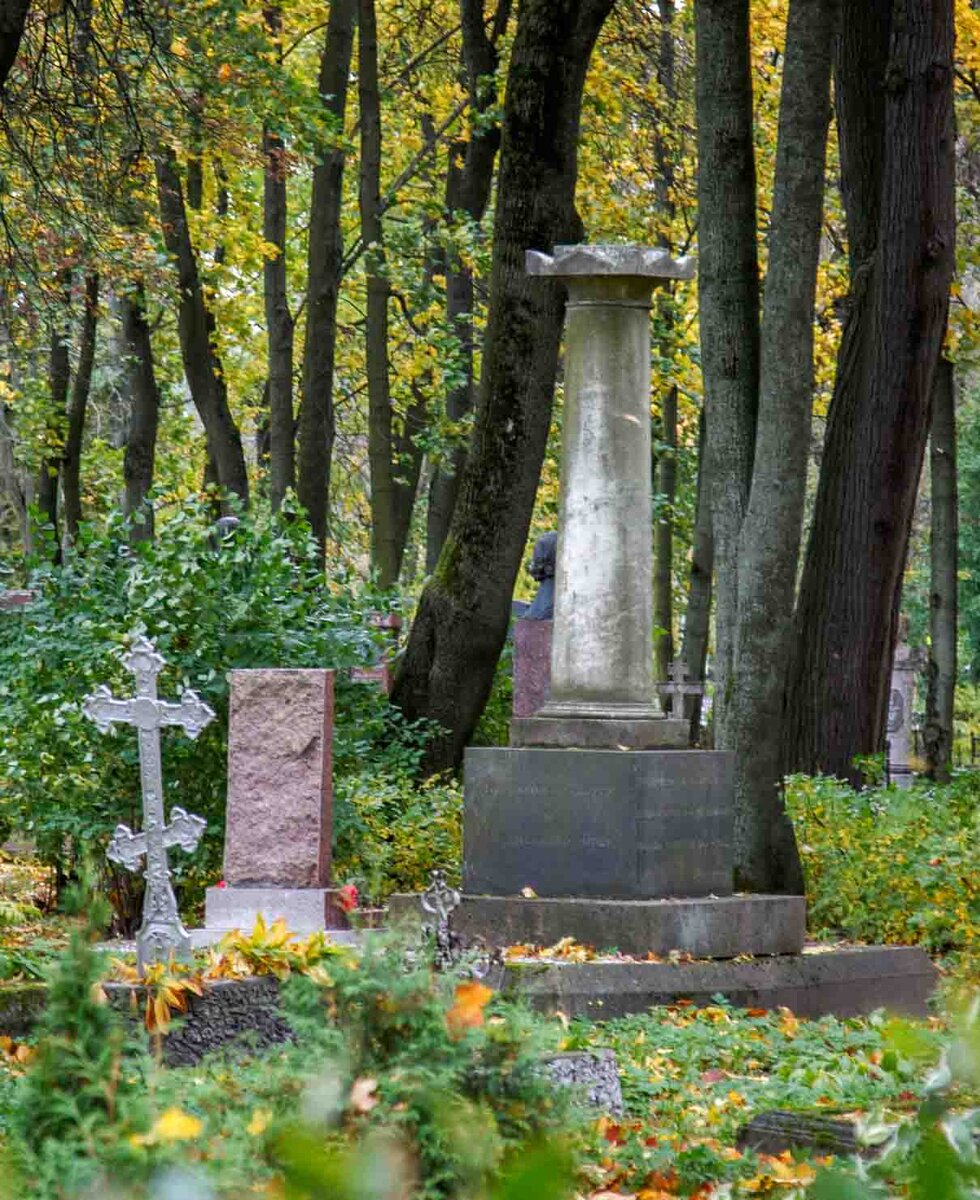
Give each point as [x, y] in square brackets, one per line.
[597, 822]
[602, 687]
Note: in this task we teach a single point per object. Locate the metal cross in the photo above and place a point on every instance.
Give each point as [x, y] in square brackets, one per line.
[161, 932]
[679, 686]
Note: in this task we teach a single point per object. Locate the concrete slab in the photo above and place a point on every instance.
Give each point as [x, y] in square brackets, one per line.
[714, 927]
[600, 733]
[605, 823]
[305, 910]
[846, 982]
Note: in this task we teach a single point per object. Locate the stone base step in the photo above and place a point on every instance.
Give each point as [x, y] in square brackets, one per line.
[704, 927]
[845, 982]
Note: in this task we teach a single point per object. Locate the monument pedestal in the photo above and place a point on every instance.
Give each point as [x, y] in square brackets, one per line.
[305, 910]
[600, 732]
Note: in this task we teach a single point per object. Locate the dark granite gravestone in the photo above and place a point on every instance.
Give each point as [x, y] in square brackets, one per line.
[532, 665]
[597, 823]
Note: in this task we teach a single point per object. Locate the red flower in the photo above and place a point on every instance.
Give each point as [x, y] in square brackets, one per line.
[347, 897]
[222, 884]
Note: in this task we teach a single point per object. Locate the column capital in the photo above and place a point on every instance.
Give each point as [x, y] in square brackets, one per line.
[609, 261]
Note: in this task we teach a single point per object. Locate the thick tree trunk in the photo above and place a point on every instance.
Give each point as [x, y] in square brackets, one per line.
[896, 123]
[144, 414]
[278, 319]
[766, 857]
[13, 18]
[72, 461]
[324, 258]
[728, 289]
[663, 540]
[459, 629]
[467, 190]
[943, 552]
[697, 617]
[202, 367]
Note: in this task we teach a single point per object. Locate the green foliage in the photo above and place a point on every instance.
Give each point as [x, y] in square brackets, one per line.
[83, 1093]
[888, 865]
[936, 1155]
[257, 598]
[422, 1067]
[391, 833]
[692, 1076]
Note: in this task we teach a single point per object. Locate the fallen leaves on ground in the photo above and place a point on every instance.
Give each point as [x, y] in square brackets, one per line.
[470, 999]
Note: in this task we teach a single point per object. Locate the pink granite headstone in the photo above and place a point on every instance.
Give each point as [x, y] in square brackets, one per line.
[279, 822]
[532, 666]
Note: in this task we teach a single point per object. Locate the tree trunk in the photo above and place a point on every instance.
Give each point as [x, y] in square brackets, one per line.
[71, 463]
[728, 289]
[202, 365]
[766, 856]
[697, 618]
[278, 319]
[59, 380]
[144, 397]
[896, 124]
[663, 540]
[468, 191]
[324, 258]
[13, 18]
[385, 556]
[943, 553]
[459, 629]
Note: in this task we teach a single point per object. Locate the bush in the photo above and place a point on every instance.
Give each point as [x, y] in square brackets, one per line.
[391, 834]
[255, 598]
[888, 865]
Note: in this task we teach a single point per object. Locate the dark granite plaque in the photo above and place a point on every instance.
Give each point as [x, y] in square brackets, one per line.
[602, 823]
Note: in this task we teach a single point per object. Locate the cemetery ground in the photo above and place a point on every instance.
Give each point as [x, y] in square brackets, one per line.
[407, 1082]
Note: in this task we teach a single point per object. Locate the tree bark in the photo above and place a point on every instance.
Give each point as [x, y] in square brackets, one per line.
[278, 319]
[766, 856]
[728, 289]
[943, 554]
[894, 87]
[468, 191]
[144, 415]
[697, 617]
[324, 259]
[202, 365]
[71, 462]
[13, 18]
[663, 540]
[459, 629]
[59, 380]
[385, 555]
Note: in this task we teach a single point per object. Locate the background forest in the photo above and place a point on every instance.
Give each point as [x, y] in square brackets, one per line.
[267, 259]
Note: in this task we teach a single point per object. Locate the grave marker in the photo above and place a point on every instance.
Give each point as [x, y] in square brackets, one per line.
[161, 932]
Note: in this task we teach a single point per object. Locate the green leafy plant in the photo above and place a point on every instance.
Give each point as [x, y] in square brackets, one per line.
[255, 598]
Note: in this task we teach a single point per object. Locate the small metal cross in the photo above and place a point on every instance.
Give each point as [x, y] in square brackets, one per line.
[679, 687]
[161, 932]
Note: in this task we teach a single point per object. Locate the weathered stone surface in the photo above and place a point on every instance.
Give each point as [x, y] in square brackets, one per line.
[532, 665]
[601, 823]
[279, 820]
[718, 927]
[846, 982]
[610, 259]
[20, 1006]
[607, 732]
[776, 1131]
[233, 1013]
[592, 1073]
[305, 910]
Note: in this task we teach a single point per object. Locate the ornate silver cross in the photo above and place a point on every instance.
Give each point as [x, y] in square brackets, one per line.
[679, 687]
[161, 932]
